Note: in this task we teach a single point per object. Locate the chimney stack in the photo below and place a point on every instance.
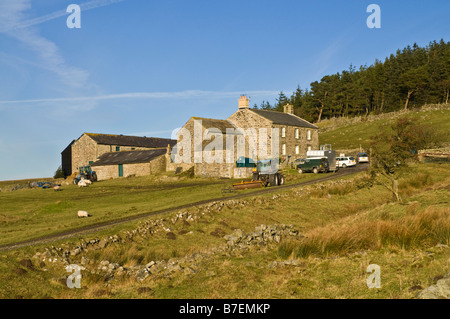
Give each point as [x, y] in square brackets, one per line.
[288, 108]
[243, 102]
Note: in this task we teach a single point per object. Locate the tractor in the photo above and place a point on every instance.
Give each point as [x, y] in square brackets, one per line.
[267, 171]
[85, 172]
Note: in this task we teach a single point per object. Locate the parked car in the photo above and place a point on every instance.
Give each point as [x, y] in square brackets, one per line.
[362, 157]
[295, 162]
[346, 161]
[313, 164]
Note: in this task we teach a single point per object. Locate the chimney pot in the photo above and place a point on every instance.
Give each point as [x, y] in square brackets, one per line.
[243, 102]
[288, 108]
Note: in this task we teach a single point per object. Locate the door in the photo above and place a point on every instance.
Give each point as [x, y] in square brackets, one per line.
[120, 170]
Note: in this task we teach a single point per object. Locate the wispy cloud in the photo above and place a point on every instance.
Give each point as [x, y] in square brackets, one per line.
[22, 5]
[144, 95]
[328, 56]
[15, 23]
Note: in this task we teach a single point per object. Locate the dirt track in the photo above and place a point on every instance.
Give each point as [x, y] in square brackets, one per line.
[104, 225]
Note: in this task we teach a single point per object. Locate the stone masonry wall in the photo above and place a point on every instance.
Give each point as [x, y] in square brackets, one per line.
[137, 169]
[291, 141]
[247, 119]
[102, 149]
[220, 170]
[83, 151]
[106, 172]
[157, 165]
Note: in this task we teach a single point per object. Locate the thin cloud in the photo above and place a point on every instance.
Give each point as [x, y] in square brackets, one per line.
[13, 22]
[54, 15]
[144, 95]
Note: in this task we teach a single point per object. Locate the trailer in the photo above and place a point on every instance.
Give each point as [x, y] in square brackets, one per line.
[333, 165]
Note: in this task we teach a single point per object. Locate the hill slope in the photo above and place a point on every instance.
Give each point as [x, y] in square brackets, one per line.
[352, 133]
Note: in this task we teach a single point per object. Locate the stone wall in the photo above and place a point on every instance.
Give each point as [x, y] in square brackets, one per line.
[242, 172]
[247, 119]
[102, 148]
[106, 172]
[83, 151]
[302, 141]
[216, 170]
[155, 166]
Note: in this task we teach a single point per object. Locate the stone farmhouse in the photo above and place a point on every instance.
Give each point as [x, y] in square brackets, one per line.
[116, 155]
[294, 136]
[254, 133]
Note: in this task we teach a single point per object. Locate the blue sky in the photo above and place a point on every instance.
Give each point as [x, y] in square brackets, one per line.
[143, 67]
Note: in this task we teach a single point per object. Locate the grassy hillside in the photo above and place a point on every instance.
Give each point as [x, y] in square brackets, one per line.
[28, 213]
[349, 134]
[308, 242]
[343, 227]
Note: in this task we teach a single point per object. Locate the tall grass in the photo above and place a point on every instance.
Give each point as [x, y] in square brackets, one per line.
[417, 181]
[428, 227]
[334, 189]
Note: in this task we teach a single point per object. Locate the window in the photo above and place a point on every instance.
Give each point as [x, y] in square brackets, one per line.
[297, 149]
[297, 135]
[283, 132]
[283, 149]
[308, 135]
[117, 148]
[309, 147]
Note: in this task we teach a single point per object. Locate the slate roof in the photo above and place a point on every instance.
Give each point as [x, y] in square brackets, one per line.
[126, 140]
[284, 118]
[128, 157]
[221, 125]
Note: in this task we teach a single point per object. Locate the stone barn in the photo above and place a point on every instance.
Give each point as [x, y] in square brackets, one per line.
[130, 163]
[90, 146]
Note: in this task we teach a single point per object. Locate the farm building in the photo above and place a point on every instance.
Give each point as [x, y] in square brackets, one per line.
[128, 163]
[89, 147]
[294, 137]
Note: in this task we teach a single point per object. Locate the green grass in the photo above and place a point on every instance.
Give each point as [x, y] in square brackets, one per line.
[338, 271]
[29, 213]
[344, 136]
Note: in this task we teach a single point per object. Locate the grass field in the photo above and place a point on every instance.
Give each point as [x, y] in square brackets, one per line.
[342, 134]
[330, 216]
[30, 213]
[344, 226]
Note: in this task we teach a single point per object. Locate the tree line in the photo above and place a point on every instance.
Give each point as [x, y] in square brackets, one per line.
[407, 79]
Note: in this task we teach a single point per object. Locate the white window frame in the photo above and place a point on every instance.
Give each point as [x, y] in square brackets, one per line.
[283, 149]
[283, 132]
[308, 135]
[297, 133]
[297, 149]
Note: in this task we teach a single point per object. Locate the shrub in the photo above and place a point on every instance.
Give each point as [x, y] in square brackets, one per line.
[59, 173]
